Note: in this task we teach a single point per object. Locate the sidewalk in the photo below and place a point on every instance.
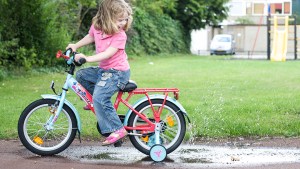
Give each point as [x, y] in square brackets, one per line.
[256, 55]
[248, 55]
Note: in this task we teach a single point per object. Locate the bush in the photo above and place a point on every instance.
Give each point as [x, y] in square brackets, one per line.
[3, 74]
[153, 34]
[12, 55]
[31, 32]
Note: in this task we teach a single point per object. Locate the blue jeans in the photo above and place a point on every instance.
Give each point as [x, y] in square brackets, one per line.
[103, 84]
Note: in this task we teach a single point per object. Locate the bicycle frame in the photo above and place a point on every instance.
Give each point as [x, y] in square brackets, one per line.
[72, 83]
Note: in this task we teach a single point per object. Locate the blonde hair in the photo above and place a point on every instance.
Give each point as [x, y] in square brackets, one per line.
[108, 13]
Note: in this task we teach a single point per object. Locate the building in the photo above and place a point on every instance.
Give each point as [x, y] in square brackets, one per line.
[247, 21]
[251, 11]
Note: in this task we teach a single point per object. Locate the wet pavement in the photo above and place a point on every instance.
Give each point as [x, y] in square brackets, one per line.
[244, 154]
[186, 156]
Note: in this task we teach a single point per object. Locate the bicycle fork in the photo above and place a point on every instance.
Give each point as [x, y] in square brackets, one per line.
[55, 110]
[157, 133]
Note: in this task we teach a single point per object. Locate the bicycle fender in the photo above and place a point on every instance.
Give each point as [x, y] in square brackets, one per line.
[51, 96]
[156, 96]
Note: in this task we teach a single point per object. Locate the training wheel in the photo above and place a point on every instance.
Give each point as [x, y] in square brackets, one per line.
[158, 153]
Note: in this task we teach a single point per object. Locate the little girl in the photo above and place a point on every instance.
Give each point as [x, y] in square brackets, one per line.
[108, 33]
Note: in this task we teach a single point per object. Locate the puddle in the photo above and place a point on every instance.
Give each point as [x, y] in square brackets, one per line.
[102, 156]
[195, 160]
[186, 156]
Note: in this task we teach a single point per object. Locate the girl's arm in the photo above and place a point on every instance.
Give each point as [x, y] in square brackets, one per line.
[109, 52]
[84, 41]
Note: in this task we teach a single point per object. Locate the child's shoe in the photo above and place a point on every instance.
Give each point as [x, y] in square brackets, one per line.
[115, 136]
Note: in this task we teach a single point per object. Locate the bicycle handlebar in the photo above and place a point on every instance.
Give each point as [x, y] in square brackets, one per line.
[69, 56]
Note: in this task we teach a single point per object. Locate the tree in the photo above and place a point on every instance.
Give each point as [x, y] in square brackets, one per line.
[196, 14]
[21, 32]
[31, 32]
[296, 10]
[81, 12]
[155, 6]
[192, 14]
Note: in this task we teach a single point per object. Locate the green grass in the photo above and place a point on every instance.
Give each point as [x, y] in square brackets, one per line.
[223, 97]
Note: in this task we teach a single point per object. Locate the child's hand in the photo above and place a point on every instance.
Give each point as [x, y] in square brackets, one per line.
[78, 56]
[72, 46]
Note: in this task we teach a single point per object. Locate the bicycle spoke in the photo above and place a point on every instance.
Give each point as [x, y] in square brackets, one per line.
[61, 128]
[165, 136]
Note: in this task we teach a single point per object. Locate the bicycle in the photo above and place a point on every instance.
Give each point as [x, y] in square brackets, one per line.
[156, 123]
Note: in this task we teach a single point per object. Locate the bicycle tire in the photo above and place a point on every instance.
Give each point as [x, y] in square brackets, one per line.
[178, 129]
[45, 142]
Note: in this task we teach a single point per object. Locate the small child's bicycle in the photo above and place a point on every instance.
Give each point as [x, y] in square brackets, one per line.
[156, 123]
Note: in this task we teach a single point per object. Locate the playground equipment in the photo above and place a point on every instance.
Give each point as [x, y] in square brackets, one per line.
[281, 38]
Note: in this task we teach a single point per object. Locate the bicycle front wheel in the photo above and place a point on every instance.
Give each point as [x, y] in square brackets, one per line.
[172, 131]
[35, 133]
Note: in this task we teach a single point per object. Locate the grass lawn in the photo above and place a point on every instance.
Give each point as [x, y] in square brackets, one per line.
[223, 97]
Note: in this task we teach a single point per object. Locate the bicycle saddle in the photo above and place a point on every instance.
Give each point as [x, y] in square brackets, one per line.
[130, 86]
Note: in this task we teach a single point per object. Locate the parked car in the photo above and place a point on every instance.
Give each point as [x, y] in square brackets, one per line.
[222, 44]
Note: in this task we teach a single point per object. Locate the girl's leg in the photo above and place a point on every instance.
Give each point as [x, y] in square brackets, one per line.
[87, 77]
[108, 83]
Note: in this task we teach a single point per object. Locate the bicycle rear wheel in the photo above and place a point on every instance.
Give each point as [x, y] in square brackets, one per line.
[172, 121]
[37, 137]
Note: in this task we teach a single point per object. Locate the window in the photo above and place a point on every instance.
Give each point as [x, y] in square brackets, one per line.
[248, 8]
[236, 9]
[287, 8]
[258, 8]
[276, 8]
[281, 8]
[223, 39]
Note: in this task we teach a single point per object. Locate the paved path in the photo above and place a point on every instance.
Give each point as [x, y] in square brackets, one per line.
[13, 155]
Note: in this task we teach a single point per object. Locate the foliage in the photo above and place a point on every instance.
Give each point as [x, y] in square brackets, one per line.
[33, 31]
[3, 74]
[192, 14]
[244, 20]
[146, 35]
[296, 10]
[58, 29]
[155, 33]
[20, 33]
[155, 6]
[196, 14]
[81, 13]
[13, 55]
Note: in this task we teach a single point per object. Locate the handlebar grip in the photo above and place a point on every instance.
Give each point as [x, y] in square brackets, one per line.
[81, 61]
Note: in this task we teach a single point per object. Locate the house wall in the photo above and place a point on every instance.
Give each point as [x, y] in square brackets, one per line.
[249, 38]
[256, 11]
